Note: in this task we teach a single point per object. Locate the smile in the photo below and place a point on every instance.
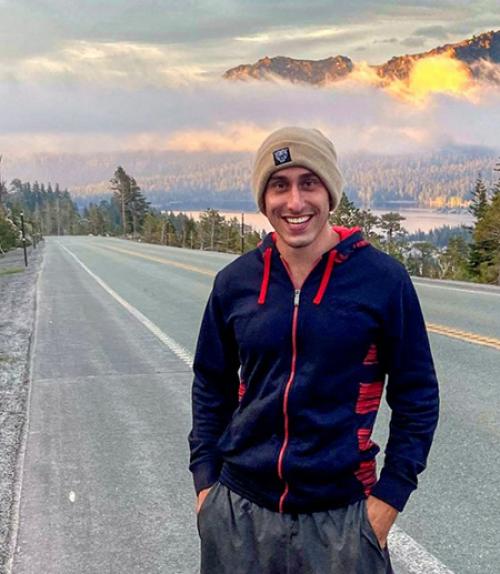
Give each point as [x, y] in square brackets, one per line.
[298, 220]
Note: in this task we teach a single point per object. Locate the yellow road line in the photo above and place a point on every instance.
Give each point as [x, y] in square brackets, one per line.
[466, 336]
[164, 260]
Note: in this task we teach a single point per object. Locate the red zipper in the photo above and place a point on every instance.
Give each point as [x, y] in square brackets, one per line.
[288, 386]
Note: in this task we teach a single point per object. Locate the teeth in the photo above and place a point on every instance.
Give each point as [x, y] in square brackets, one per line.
[302, 219]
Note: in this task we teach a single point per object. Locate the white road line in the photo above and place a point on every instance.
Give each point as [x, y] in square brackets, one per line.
[451, 288]
[177, 349]
[409, 553]
[413, 556]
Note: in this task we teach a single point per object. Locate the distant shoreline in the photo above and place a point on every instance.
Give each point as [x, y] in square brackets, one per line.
[417, 218]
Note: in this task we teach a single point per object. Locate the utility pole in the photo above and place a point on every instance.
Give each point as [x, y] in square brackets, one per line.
[58, 216]
[212, 233]
[162, 236]
[123, 214]
[24, 239]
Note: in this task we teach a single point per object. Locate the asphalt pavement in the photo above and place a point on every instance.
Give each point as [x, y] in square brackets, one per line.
[105, 484]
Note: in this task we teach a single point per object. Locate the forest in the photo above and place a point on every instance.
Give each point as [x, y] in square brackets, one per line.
[463, 253]
[442, 178]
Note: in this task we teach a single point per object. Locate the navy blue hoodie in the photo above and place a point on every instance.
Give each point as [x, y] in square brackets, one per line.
[288, 382]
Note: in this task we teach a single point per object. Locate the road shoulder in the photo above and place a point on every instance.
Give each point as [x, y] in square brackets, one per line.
[17, 304]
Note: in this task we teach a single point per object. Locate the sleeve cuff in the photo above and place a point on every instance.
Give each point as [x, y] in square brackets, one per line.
[205, 474]
[393, 489]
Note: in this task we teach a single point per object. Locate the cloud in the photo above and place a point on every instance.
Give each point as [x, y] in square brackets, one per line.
[306, 35]
[386, 41]
[427, 76]
[440, 74]
[236, 137]
[487, 70]
[413, 42]
[107, 63]
[220, 34]
[235, 117]
[437, 32]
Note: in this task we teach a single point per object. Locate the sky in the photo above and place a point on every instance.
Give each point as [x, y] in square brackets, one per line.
[91, 76]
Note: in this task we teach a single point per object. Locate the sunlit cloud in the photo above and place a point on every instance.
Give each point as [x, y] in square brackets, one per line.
[72, 142]
[217, 116]
[440, 74]
[427, 77]
[299, 34]
[104, 63]
[237, 137]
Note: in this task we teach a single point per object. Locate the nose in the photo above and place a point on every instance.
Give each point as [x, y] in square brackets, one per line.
[295, 199]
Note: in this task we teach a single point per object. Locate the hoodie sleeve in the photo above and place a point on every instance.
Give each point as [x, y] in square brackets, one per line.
[412, 395]
[214, 392]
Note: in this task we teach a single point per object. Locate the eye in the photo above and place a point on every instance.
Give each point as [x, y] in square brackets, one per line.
[277, 185]
[310, 183]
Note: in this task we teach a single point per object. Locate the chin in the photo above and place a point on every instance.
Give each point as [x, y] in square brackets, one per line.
[297, 242]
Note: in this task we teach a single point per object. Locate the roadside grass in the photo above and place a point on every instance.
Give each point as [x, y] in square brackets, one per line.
[11, 270]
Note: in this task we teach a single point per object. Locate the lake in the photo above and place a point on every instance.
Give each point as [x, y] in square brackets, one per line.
[416, 218]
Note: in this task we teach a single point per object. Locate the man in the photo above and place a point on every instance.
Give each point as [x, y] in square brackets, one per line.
[294, 348]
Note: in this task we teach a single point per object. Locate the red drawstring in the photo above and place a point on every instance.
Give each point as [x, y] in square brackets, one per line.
[267, 272]
[323, 285]
[326, 277]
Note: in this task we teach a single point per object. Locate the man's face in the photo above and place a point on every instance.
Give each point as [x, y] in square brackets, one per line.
[297, 205]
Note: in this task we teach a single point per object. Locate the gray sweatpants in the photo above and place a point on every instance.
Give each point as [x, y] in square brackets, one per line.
[240, 537]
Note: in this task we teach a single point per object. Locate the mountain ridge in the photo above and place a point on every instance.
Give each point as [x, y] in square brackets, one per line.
[471, 51]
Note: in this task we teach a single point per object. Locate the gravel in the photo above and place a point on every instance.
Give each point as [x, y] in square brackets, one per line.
[17, 313]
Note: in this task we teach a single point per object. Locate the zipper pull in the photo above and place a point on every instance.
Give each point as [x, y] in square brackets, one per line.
[296, 298]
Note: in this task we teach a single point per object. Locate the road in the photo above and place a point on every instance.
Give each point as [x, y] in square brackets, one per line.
[105, 486]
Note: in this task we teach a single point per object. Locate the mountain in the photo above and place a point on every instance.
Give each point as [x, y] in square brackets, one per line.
[471, 52]
[483, 47]
[309, 71]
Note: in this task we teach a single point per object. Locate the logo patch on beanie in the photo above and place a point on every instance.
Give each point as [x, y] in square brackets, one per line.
[282, 156]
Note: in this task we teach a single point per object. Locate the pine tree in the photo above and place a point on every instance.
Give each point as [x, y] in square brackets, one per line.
[479, 202]
[138, 207]
[346, 214]
[390, 223]
[482, 250]
[423, 260]
[3, 197]
[8, 234]
[487, 238]
[454, 259]
[133, 205]
[211, 229]
[496, 187]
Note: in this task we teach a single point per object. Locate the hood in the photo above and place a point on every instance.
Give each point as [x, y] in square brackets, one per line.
[351, 239]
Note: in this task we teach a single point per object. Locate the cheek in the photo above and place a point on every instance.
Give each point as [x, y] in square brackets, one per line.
[270, 205]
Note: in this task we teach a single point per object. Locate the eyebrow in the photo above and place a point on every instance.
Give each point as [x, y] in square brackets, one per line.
[278, 177]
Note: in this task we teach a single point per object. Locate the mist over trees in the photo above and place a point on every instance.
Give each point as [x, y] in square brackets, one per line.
[439, 179]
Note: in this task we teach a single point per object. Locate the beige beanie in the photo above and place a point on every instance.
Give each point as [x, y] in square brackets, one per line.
[297, 147]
